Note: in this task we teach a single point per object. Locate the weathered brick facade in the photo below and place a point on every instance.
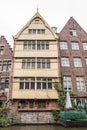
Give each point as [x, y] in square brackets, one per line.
[72, 71]
[5, 68]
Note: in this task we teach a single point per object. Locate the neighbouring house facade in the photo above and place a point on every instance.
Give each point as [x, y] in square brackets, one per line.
[73, 60]
[35, 69]
[5, 68]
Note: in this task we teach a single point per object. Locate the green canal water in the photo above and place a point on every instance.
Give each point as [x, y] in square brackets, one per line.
[41, 127]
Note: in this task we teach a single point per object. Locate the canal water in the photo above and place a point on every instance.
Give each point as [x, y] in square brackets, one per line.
[41, 127]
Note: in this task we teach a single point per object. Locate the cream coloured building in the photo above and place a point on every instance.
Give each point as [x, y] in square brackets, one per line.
[35, 66]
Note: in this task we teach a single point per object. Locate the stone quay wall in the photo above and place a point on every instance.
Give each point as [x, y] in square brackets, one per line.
[33, 118]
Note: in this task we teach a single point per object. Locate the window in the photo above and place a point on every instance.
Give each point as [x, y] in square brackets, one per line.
[29, 45]
[80, 84]
[67, 83]
[63, 46]
[5, 65]
[9, 65]
[40, 31]
[36, 31]
[28, 63]
[32, 63]
[31, 104]
[42, 45]
[4, 83]
[1, 50]
[77, 62]
[73, 32]
[44, 83]
[41, 104]
[41, 83]
[86, 60]
[74, 45]
[27, 83]
[22, 104]
[0, 65]
[84, 46]
[36, 45]
[65, 62]
[43, 63]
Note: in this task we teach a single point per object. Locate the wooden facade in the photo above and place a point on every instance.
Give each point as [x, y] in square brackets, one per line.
[35, 67]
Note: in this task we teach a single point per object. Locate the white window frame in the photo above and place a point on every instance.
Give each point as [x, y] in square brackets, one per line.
[65, 62]
[80, 83]
[86, 60]
[77, 62]
[67, 83]
[84, 46]
[73, 32]
[74, 45]
[63, 46]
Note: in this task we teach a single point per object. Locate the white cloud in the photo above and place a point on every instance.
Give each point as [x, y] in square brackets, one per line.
[14, 14]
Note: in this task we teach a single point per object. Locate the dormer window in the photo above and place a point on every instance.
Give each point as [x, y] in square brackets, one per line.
[73, 32]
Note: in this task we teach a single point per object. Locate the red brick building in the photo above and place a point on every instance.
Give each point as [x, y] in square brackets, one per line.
[73, 59]
[5, 68]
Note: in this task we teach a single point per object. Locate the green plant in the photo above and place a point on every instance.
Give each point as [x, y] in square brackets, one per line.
[4, 121]
[61, 94]
[56, 115]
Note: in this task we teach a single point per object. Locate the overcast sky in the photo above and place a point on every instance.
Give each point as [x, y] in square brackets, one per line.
[14, 14]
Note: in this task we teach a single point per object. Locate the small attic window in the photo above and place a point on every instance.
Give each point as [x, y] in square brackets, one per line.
[1, 50]
[37, 20]
[73, 32]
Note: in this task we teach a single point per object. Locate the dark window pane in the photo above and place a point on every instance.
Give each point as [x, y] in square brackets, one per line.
[21, 85]
[43, 46]
[34, 31]
[43, 85]
[38, 65]
[28, 65]
[32, 85]
[38, 46]
[49, 85]
[43, 31]
[33, 46]
[30, 31]
[26, 85]
[43, 65]
[38, 31]
[41, 104]
[47, 46]
[33, 65]
[38, 85]
[25, 46]
[31, 104]
[23, 65]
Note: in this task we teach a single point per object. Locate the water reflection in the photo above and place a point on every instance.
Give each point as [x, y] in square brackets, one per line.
[41, 127]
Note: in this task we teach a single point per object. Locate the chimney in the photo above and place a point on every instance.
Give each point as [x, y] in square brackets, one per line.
[54, 29]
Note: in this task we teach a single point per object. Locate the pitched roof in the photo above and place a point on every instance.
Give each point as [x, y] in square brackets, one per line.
[72, 24]
[37, 15]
